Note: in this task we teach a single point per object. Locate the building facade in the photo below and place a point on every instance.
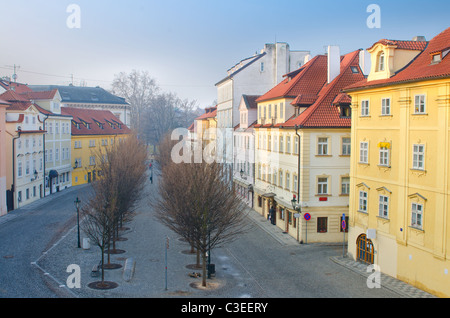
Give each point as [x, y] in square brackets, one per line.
[25, 155]
[3, 205]
[57, 146]
[303, 148]
[251, 76]
[90, 98]
[399, 202]
[244, 149]
[90, 131]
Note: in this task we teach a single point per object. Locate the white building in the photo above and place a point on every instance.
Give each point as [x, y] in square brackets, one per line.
[90, 98]
[57, 150]
[244, 149]
[251, 76]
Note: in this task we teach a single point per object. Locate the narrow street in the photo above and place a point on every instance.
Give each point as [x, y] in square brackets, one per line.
[255, 265]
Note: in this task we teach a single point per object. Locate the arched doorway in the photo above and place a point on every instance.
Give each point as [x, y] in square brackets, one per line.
[364, 249]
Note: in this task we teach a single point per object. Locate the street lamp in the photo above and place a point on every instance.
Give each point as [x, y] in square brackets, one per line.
[76, 164]
[296, 207]
[77, 204]
[242, 175]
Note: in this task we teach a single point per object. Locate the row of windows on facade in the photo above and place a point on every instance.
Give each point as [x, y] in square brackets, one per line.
[265, 112]
[65, 128]
[242, 141]
[276, 178]
[418, 154]
[65, 154]
[60, 179]
[323, 145]
[92, 161]
[29, 142]
[419, 106]
[30, 167]
[416, 211]
[321, 221]
[78, 143]
[64, 177]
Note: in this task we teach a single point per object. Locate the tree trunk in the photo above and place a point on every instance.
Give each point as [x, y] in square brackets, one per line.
[204, 259]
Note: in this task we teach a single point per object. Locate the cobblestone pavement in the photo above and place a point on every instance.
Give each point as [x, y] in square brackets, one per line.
[144, 244]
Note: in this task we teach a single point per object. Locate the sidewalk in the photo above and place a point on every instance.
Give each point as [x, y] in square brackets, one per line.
[395, 285]
[147, 279]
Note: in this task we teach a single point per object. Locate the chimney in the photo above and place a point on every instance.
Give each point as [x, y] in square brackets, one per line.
[364, 61]
[334, 62]
[419, 38]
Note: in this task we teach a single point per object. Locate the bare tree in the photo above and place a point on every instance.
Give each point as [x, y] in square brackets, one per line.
[115, 192]
[196, 202]
[139, 89]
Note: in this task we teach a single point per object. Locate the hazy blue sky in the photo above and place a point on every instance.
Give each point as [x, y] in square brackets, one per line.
[187, 45]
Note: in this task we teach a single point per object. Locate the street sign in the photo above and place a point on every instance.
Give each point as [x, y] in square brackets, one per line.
[343, 224]
[307, 216]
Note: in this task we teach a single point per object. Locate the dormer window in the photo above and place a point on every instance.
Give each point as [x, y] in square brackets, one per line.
[436, 58]
[381, 62]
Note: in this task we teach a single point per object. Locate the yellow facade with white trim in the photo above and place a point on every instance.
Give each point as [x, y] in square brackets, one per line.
[415, 180]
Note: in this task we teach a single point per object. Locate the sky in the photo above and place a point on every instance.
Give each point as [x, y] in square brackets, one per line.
[187, 46]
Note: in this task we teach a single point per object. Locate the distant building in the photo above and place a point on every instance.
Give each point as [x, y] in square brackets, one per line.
[244, 149]
[3, 154]
[25, 150]
[91, 129]
[57, 148]
[90, 98]
[251, 76]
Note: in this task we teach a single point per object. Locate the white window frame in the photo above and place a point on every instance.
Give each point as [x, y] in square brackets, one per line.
[420, 104]
[383, 206]
[346, 146]
[417, 215]
[322, 185]
[322, 146]
[418, 157]
[386, 107]
[345, 185]
[362, 206]
[365, 108]
[384, 156]
[364, 152]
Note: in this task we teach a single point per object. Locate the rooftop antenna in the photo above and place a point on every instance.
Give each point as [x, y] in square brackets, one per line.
[14, 76]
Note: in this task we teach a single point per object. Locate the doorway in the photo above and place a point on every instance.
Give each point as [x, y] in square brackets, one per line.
[364, 249]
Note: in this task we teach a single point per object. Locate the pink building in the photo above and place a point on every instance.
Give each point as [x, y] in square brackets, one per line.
[3, 151]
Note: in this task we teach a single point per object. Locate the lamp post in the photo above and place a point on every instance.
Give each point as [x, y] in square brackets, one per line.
[77, 204]
[297, 208]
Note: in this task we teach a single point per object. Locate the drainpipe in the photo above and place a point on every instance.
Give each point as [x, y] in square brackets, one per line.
[43, 138]
[13, 186]
[298, 162]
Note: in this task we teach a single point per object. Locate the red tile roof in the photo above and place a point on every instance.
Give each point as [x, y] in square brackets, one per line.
[403, 45]
[420, 68]
[17, 102]
[18, 87]
[308, 80]
[323, 113]
[40, 95]
[210, 112]
[100, 122]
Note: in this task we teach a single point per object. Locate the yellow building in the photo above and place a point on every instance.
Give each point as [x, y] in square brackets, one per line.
[91, 129]
[400, 176]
